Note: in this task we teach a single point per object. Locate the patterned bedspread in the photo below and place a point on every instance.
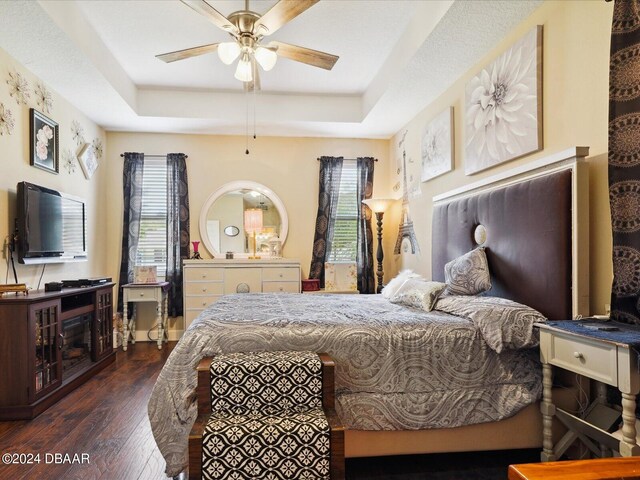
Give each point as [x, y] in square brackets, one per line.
[397, 368]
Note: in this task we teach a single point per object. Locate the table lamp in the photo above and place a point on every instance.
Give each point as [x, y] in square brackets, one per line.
[378, 206]
[253, 225]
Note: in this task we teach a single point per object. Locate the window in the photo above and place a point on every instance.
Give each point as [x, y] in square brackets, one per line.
[152, 242]
[345, 233]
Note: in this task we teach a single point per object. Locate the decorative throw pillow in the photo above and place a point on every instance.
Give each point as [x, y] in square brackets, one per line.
[468, 274]
[392, 287]
[419, 293]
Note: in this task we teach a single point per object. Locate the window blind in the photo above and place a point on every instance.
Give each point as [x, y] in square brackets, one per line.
[345, 233]
[152, 242]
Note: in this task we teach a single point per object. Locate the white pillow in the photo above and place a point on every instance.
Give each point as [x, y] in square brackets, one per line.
[419, 293]
[395, 283]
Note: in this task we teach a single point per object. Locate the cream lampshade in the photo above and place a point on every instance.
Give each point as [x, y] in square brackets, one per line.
[253, 225]
[378, 204]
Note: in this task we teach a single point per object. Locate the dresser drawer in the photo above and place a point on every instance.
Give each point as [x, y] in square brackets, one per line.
[203, 274]
[200, 301]
[243, 280]
[142, 294]
[280, 274]
[204, 288]
[595, 360]
[276, 287]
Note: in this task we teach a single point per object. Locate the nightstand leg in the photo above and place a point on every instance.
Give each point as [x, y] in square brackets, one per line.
[125, 326]
[628, 447]
[159, 320]
[133, 324]
[548, 410]
[165, 314]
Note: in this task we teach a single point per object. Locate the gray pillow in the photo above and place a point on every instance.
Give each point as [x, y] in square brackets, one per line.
[468, 274]
[418, 293]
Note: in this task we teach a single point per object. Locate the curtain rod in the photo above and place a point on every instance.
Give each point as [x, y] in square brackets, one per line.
[186, 156]
[349, 159]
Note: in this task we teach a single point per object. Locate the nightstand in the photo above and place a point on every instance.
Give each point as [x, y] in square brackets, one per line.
[607, 361]
[322, 290]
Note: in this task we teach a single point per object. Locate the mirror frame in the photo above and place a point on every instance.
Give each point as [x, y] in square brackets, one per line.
[237, 185]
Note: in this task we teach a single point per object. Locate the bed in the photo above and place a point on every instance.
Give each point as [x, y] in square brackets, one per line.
[409, 381]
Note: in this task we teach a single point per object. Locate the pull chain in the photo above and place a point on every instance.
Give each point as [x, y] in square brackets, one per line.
[254, 107]
[246, 136]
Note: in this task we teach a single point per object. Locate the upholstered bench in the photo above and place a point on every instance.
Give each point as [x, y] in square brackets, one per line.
[267, 415]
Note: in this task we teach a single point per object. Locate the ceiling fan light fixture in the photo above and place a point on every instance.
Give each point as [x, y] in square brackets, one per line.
[228, 52]
[243, 72]
[266, 58]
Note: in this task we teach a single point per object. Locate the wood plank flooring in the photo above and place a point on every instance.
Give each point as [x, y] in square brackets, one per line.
[106, 418]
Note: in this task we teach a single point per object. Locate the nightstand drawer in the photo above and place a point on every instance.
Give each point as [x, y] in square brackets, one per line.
[204, 288]
[281, 274]
[203, 274]
[277, 287]
[597, 360]
[142, 294]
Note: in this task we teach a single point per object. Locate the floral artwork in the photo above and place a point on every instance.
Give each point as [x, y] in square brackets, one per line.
[18, 88]
[97, 148]
[77, 133]
[437, 146]
[88, 161]
[43, 98]
[69, 161]
[340, 277]
[43, 142]
[6, 120]
[504, 106]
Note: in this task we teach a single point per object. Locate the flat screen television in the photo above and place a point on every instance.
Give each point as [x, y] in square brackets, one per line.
[51, 226]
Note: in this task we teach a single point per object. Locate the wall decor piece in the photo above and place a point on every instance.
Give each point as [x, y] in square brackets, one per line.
[437, 146]
[97, 148]
[6, 120]
[43, 135]
[43, 98]
[503, 106]
[405, 230]
[69, 161]
[77, 133]
[18, 88]
[88, 160]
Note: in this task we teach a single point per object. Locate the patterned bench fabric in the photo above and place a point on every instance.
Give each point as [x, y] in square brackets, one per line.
[268, 382]
[270, 447]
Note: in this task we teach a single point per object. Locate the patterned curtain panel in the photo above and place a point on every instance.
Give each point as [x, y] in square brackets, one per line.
[330, 173]
[624, 159]
[366, 277]
[132, 183]
[177, 228]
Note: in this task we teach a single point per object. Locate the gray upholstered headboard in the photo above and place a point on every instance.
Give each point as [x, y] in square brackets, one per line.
[528, 245]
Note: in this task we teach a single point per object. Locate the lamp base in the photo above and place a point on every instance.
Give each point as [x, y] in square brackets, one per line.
[254, 257]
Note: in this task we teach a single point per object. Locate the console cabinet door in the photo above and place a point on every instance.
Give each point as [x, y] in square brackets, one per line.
[104, 323]
[46, 337]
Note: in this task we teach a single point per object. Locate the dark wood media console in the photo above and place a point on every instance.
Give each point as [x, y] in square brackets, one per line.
[50, 343]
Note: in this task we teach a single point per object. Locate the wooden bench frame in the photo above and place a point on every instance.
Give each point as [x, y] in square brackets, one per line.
[203, 392]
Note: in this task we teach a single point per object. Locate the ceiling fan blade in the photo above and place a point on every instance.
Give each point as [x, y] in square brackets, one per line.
[281, 13]
[187, 53]
[213, 15]
[305, 55]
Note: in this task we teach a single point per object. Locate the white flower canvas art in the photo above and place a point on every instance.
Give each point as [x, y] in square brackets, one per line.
[437, 146]
[503, 106]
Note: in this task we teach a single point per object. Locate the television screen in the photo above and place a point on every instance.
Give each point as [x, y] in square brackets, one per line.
[51, 225]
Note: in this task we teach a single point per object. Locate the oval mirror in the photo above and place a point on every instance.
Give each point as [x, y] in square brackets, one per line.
[231, 231]
[229, 208]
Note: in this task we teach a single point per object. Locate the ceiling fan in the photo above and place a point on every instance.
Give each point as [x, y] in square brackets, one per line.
[248, 30]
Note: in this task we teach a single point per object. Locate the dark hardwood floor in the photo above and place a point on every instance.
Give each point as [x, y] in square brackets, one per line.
[106, 418]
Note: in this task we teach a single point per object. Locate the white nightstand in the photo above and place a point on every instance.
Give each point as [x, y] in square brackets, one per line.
[322, 290]
[605, 361]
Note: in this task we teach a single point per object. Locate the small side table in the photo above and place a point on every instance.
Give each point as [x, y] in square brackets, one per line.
[322, 290]
[144, 292]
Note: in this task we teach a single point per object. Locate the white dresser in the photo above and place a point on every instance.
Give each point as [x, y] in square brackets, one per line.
[205, 281]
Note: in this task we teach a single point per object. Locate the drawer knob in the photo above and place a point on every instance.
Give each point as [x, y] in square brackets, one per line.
[578, 355]
[204, 275]
[204, 304]
[142, 294]
[204, 289]
[280, 275]
[281, 289]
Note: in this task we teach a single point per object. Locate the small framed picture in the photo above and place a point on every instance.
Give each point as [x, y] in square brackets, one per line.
[43, 136]
[145, 274]
[87, 159]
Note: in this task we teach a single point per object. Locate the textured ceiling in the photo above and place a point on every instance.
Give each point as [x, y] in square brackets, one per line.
[395, 58]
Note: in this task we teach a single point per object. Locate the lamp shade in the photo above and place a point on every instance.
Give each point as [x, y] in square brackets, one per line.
[266, 58]
[378, 204]
[228, 52]
[253, 220]
[243, 72]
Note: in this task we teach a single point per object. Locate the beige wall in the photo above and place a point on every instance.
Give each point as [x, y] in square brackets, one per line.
[575, 95]
[288, 166]
[14, 168]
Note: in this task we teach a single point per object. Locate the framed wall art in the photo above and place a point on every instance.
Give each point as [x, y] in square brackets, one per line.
[503, 106]
[88, 161]
[43, 139]
[437, 146]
